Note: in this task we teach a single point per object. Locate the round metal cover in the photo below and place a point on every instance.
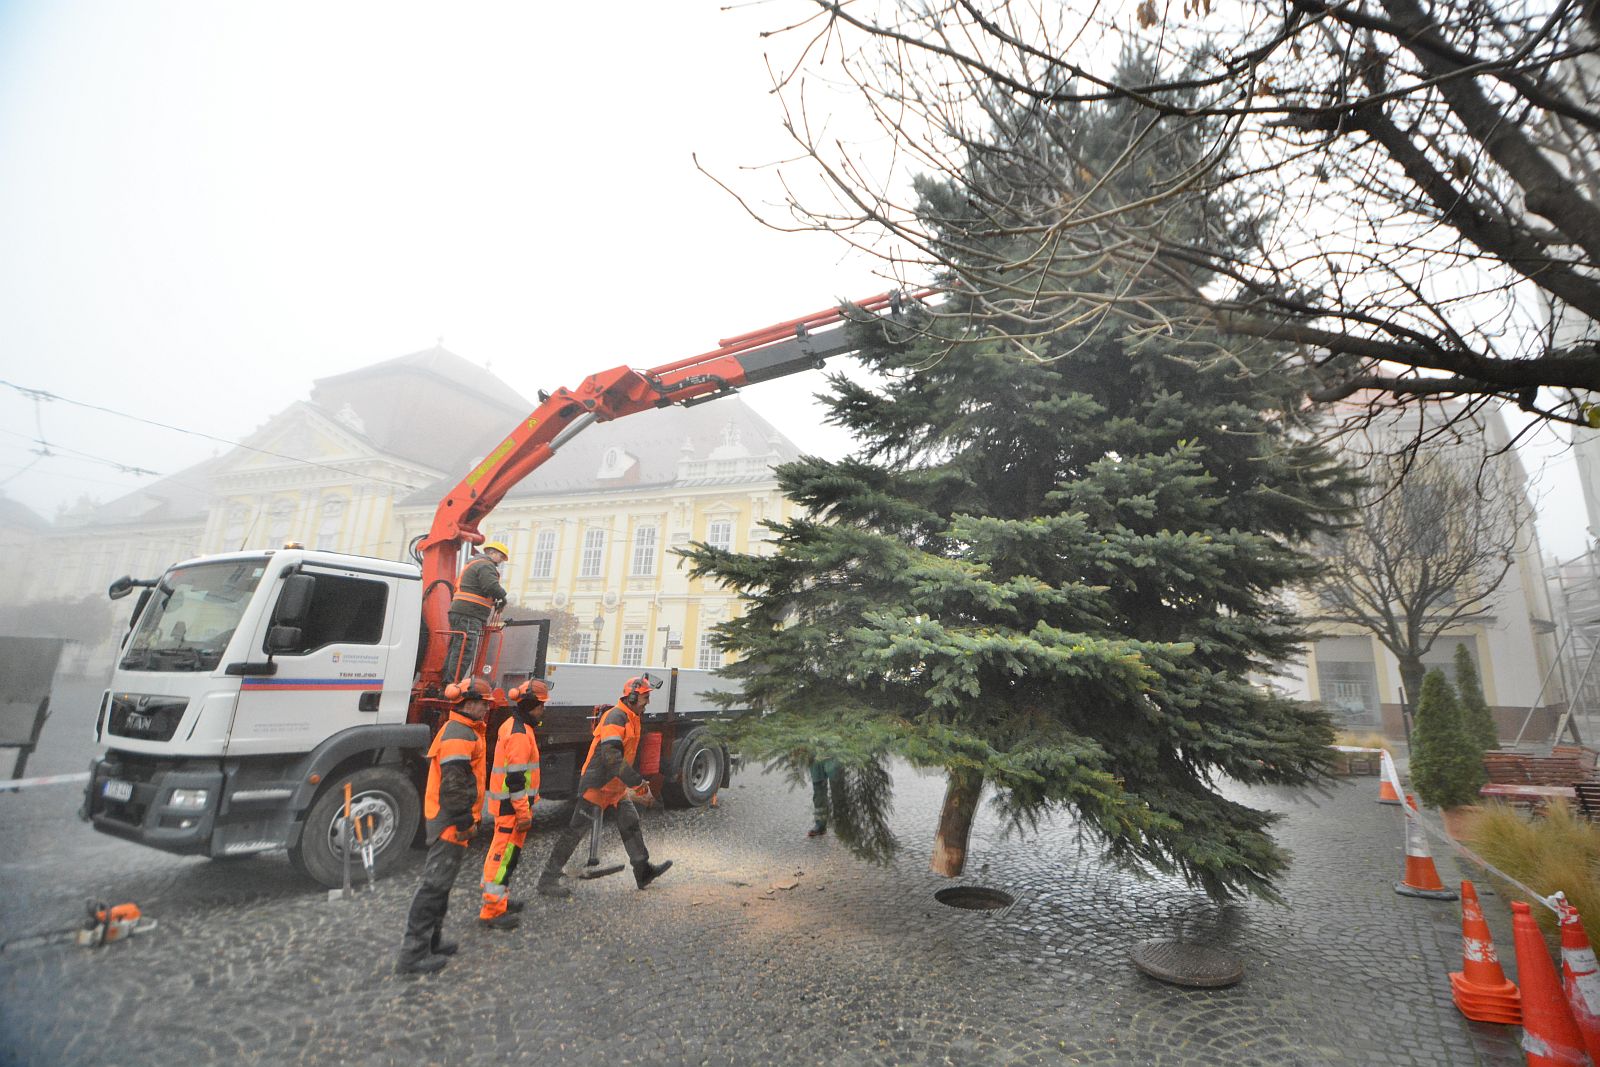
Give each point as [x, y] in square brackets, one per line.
[974, 898]
[1181, 963]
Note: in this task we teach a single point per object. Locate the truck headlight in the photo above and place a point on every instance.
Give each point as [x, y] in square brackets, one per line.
[192, 799]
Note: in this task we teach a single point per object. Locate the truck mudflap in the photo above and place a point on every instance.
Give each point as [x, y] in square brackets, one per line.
[154, 802]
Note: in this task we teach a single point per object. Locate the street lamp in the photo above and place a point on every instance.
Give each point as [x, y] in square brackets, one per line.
[599, 624]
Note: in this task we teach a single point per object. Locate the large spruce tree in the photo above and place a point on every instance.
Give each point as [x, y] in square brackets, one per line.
[1053, 574]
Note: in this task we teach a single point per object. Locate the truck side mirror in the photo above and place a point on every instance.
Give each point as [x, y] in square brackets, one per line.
[283, 639]
[121, 587]
[294, 601]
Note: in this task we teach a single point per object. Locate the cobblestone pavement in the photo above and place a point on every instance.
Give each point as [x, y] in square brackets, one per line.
[760, 946]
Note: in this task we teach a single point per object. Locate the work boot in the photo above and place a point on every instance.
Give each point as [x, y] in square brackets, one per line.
[426, 965]
[501, 922]
[818, 830]
[550, 885]
[441, 947]
[647, 872]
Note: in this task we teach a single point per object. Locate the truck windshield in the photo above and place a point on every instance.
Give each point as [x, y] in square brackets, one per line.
[189, 621]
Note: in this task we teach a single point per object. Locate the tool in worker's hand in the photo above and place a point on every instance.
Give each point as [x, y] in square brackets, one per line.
[591, 866]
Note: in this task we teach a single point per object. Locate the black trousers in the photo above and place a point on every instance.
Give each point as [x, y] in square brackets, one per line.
[626, 817]
[432, 898]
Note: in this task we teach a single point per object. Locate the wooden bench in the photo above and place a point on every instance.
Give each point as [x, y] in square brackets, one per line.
[1585, 755]
[1587, 795]
[1515, 768]
[1534, 796]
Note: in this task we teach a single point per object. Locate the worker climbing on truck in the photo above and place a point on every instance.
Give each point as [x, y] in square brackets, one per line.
[513, 789]
[608, 776]
[478, 593]
[451, 806]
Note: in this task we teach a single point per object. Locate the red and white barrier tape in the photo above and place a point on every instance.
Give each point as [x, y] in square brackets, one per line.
[49, 779]
[1392, 775]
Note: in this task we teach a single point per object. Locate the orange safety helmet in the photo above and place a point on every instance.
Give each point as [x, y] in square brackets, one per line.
[472, 689]
[533, 689]
[643, 683]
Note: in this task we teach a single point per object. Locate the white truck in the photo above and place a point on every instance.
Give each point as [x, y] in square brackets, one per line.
[252, 687]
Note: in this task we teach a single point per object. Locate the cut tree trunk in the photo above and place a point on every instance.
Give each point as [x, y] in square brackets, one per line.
[962, 790]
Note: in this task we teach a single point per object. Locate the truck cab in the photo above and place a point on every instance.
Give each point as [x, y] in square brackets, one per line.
[244, 682]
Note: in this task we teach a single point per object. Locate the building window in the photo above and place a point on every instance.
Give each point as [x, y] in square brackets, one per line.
[710, 657]
[328, 529]
[644, 550]
[633, 649]
[594, 551]
[278, 530]
[582, 650]
[719, 534]
[544, 554]
[233, 537]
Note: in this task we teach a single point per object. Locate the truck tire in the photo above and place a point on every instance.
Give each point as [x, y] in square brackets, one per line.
[698, 765]
[384, 794]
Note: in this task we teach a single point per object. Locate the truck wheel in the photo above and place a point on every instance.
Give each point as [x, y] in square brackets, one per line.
[381, 794]
[699, 765]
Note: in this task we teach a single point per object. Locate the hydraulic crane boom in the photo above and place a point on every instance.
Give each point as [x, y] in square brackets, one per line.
[758, 356]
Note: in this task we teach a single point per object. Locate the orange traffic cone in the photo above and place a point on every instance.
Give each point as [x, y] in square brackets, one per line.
[1386, 793]
[1421, 877]
[1549, 1036]
[1580, 977]
[1480, 988]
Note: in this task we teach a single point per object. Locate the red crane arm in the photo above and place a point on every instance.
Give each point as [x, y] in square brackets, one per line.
[760, 355]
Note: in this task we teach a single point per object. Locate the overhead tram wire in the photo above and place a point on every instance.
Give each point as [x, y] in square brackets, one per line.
[42, 394]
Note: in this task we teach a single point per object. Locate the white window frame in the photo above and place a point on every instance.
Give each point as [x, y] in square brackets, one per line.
[593, 561]
[633, 649]
[330, 524]
[582, 650]
[544, 554]
[725, 526]
[644, 551]
[710, 656]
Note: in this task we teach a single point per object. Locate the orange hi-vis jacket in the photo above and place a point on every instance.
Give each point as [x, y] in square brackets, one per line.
[514, 781]
[621, 723]
[455, 777]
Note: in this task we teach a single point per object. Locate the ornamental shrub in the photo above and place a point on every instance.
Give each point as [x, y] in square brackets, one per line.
[1446, 761]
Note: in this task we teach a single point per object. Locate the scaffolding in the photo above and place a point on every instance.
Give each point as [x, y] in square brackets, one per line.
[1577, 609]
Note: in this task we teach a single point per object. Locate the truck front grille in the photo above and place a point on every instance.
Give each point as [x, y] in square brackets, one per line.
[148, 718]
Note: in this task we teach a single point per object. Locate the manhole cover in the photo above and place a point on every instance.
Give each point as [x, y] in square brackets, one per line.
[1187, 965]
[974, 898]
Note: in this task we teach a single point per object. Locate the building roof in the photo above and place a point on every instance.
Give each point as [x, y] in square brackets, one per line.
[15, 515]
[724, 442]
[180, 497]
[431, 408]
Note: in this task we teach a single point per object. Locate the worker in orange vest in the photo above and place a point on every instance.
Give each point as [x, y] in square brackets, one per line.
[478, 593]
[450, 806]
[609, 776]
[513, 789]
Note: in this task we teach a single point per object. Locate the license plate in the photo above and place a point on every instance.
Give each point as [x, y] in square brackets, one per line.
[116, 789]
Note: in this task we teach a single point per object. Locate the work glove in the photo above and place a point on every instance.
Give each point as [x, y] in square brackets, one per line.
[524, 822]
[464, 827]
[640, 794]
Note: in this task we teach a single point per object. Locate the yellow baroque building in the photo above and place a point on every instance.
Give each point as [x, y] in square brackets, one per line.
[592, 532]
[360, 464]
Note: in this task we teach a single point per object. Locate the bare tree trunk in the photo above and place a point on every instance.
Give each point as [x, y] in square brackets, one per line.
[1411, 675]
[961, 795]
